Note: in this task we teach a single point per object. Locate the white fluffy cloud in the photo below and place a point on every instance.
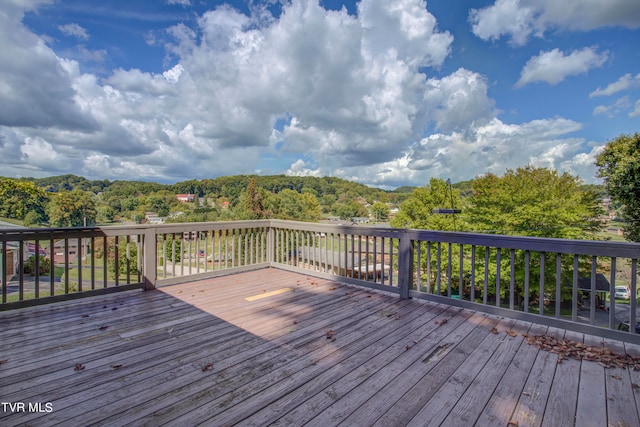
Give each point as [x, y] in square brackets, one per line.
[521, 19]
[492, 147]
[74, 30]
[636, 110]
[611, 110]
[349, 94]
[554, 66]
[623, 83]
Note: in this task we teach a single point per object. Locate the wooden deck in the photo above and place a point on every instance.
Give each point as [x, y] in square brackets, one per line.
[276, 348]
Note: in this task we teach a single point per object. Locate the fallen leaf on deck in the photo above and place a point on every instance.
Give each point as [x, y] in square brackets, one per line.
[566, 348]
[512, 423]
[2, 362]
[332, 289]
[85, 315]
[494, 331]
[207, 367]
[441, 322]
[512, 334]
[102, 328]
[408, 347]
[295, 322]
[114, 308]
[617, 377]
[635, 386]
[116, 366]
[330, 334]
[79, 367]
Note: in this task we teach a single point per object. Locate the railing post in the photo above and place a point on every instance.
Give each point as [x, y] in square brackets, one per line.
[405, 266]
[270, 244]
[149, 269]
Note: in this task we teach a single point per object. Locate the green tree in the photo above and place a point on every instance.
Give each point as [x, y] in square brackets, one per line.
[619, 165]
[417, 211]
[534, 202]
[254, 201]
[380, 211]
[18, 198]
[72, 209]
[33, 219]
[289, 204]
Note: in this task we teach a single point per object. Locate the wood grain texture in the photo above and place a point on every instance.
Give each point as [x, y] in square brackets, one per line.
[321, 354]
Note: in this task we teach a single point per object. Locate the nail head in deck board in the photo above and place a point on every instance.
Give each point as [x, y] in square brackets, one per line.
[269, 294]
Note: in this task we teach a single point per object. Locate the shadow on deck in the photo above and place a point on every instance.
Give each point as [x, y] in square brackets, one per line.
[275, 347]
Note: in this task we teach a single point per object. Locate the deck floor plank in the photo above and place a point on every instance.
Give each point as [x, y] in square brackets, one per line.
[422, 358]
[621, 402]
[268, 361]
[592, 395]
[562, 401]
[446, 365]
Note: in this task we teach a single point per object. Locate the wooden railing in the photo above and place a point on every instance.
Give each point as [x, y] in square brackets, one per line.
[565, 283]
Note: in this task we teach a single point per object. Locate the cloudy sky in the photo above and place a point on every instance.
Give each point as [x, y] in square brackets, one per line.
[384, 92]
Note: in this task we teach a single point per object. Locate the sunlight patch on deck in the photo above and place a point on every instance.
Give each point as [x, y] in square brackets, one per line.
[269, 294]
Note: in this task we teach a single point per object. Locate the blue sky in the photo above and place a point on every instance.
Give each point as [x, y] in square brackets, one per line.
[383, 92]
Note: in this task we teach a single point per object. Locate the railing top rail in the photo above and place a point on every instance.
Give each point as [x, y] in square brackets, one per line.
[541, 244]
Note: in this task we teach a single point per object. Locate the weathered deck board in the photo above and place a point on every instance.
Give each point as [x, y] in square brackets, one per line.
[592, 397]
[303, 351]
[561, 404]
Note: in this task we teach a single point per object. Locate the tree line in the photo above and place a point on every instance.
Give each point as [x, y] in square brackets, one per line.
[70, 201]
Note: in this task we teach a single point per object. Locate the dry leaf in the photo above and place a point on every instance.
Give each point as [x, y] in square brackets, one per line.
[512, 423]
[116, 366]
[512, 334]
[207, 367]
[441, 322]
[494, 330]
[408, 347]
[102, 328]
[79, 367]
[330, 334]
[295, 322]
[332, 289]
[2, 362]
[617, 377]
[114, 308]
[566, 348]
